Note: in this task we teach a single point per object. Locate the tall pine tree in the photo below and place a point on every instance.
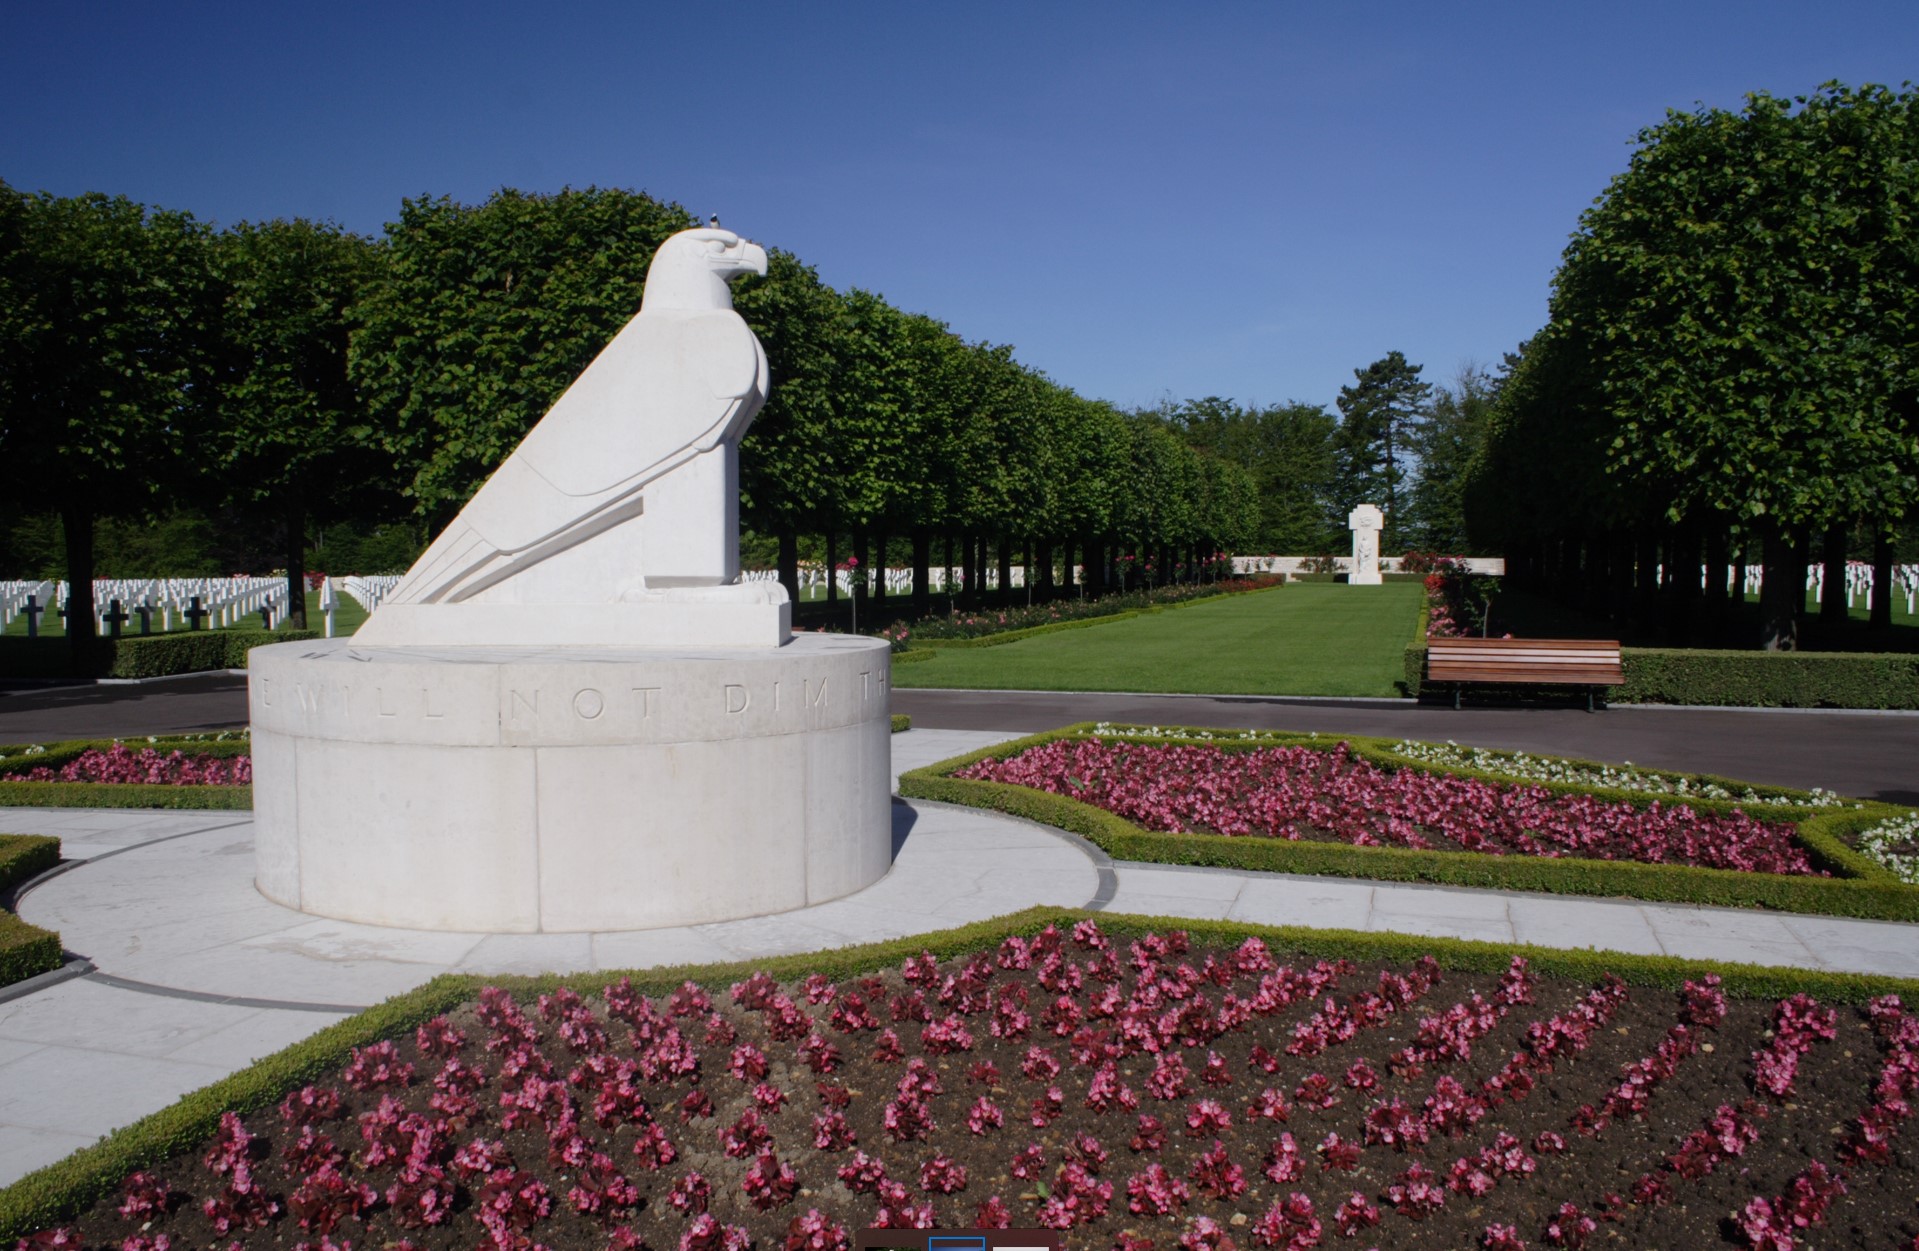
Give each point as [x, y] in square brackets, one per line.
[1374, 440]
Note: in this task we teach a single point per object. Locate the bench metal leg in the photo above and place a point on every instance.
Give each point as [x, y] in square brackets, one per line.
[1456, 689]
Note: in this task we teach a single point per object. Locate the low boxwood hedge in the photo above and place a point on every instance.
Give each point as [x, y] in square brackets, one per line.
[25, 950]
[191, 651]
[1742, 679]
[1858, 888]
[63, 1190]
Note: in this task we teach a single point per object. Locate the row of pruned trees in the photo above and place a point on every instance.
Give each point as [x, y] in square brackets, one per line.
[309, 374]
[1731, 368]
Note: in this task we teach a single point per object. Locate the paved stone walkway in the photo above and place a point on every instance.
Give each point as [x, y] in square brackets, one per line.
[196, 975]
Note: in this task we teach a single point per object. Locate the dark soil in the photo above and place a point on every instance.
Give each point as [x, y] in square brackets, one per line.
[1815, 1122]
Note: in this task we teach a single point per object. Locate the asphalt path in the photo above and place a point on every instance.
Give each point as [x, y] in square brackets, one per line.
[1862, 754]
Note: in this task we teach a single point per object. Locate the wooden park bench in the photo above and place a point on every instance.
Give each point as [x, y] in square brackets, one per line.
[1591, 663]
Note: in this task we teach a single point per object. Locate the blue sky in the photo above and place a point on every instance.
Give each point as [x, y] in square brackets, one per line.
[1239, 199]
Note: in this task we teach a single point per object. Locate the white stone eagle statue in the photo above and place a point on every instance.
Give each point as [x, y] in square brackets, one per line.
[617, 518]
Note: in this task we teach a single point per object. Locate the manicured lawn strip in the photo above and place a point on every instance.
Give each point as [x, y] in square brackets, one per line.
[1869, 891]
[1295, 640]
[25, 950]
[63, 1190]
[18, 794]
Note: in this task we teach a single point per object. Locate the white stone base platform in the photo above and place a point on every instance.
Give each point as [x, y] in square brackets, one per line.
[568, 789]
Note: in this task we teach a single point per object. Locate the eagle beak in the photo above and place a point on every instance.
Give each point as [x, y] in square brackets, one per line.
[752, 258]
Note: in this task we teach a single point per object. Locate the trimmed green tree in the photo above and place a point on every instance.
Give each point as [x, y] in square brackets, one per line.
[1746, 298]
[290, 434]
[108, 314]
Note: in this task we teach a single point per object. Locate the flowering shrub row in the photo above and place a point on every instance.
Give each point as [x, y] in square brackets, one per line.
[1306, 793]
[1456, 597]
[1894, 843]
[1527, 768]
[1143, 1096]
[121, 763]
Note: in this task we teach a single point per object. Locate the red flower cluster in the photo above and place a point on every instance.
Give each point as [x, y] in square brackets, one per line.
[1306, 793]
[121, 763]
[452, 1133]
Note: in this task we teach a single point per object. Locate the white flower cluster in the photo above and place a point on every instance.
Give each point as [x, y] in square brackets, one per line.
[1625, 777]
[1894, 843]
[1182, 734]
[35, 750]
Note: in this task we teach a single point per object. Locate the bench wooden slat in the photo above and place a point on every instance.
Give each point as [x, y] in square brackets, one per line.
[1525, 662]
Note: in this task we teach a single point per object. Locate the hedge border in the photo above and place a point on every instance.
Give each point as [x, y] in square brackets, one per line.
[192, 651]
[901, 723]
[18, 794]
[1821, 680]
[26, 950]
[1860, 888]
[62, 1190]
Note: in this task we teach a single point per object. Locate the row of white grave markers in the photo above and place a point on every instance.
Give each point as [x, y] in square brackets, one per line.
[898, 581]
[17, 597]
[1745, 580]
[157, 605]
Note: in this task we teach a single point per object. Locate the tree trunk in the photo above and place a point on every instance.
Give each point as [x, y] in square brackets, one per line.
[296, 614]
[1005, 570]
[949, 569]
[1718, 573]
[1832, 594]
[1880, 614]
[1598, 575]
[1718, 562]
[922, 572]
[879, 564]
[76, 520]
[1619, 560]
[832, 568]
[1092, 566]
[1682, 581]
[789, 562]
[1045, 563]
[1645, 557]
[1782, 593]
[862, 572]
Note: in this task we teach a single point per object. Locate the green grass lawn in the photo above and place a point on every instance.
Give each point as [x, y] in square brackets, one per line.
[1304, 639]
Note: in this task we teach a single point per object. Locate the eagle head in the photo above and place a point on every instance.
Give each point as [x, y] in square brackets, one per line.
[691, 269]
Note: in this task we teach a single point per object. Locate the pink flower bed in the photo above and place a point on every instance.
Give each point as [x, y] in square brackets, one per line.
[122, 764]
[1333, 796]
[1141, 1096]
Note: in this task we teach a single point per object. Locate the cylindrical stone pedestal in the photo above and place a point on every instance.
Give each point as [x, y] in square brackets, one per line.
[568, 788]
